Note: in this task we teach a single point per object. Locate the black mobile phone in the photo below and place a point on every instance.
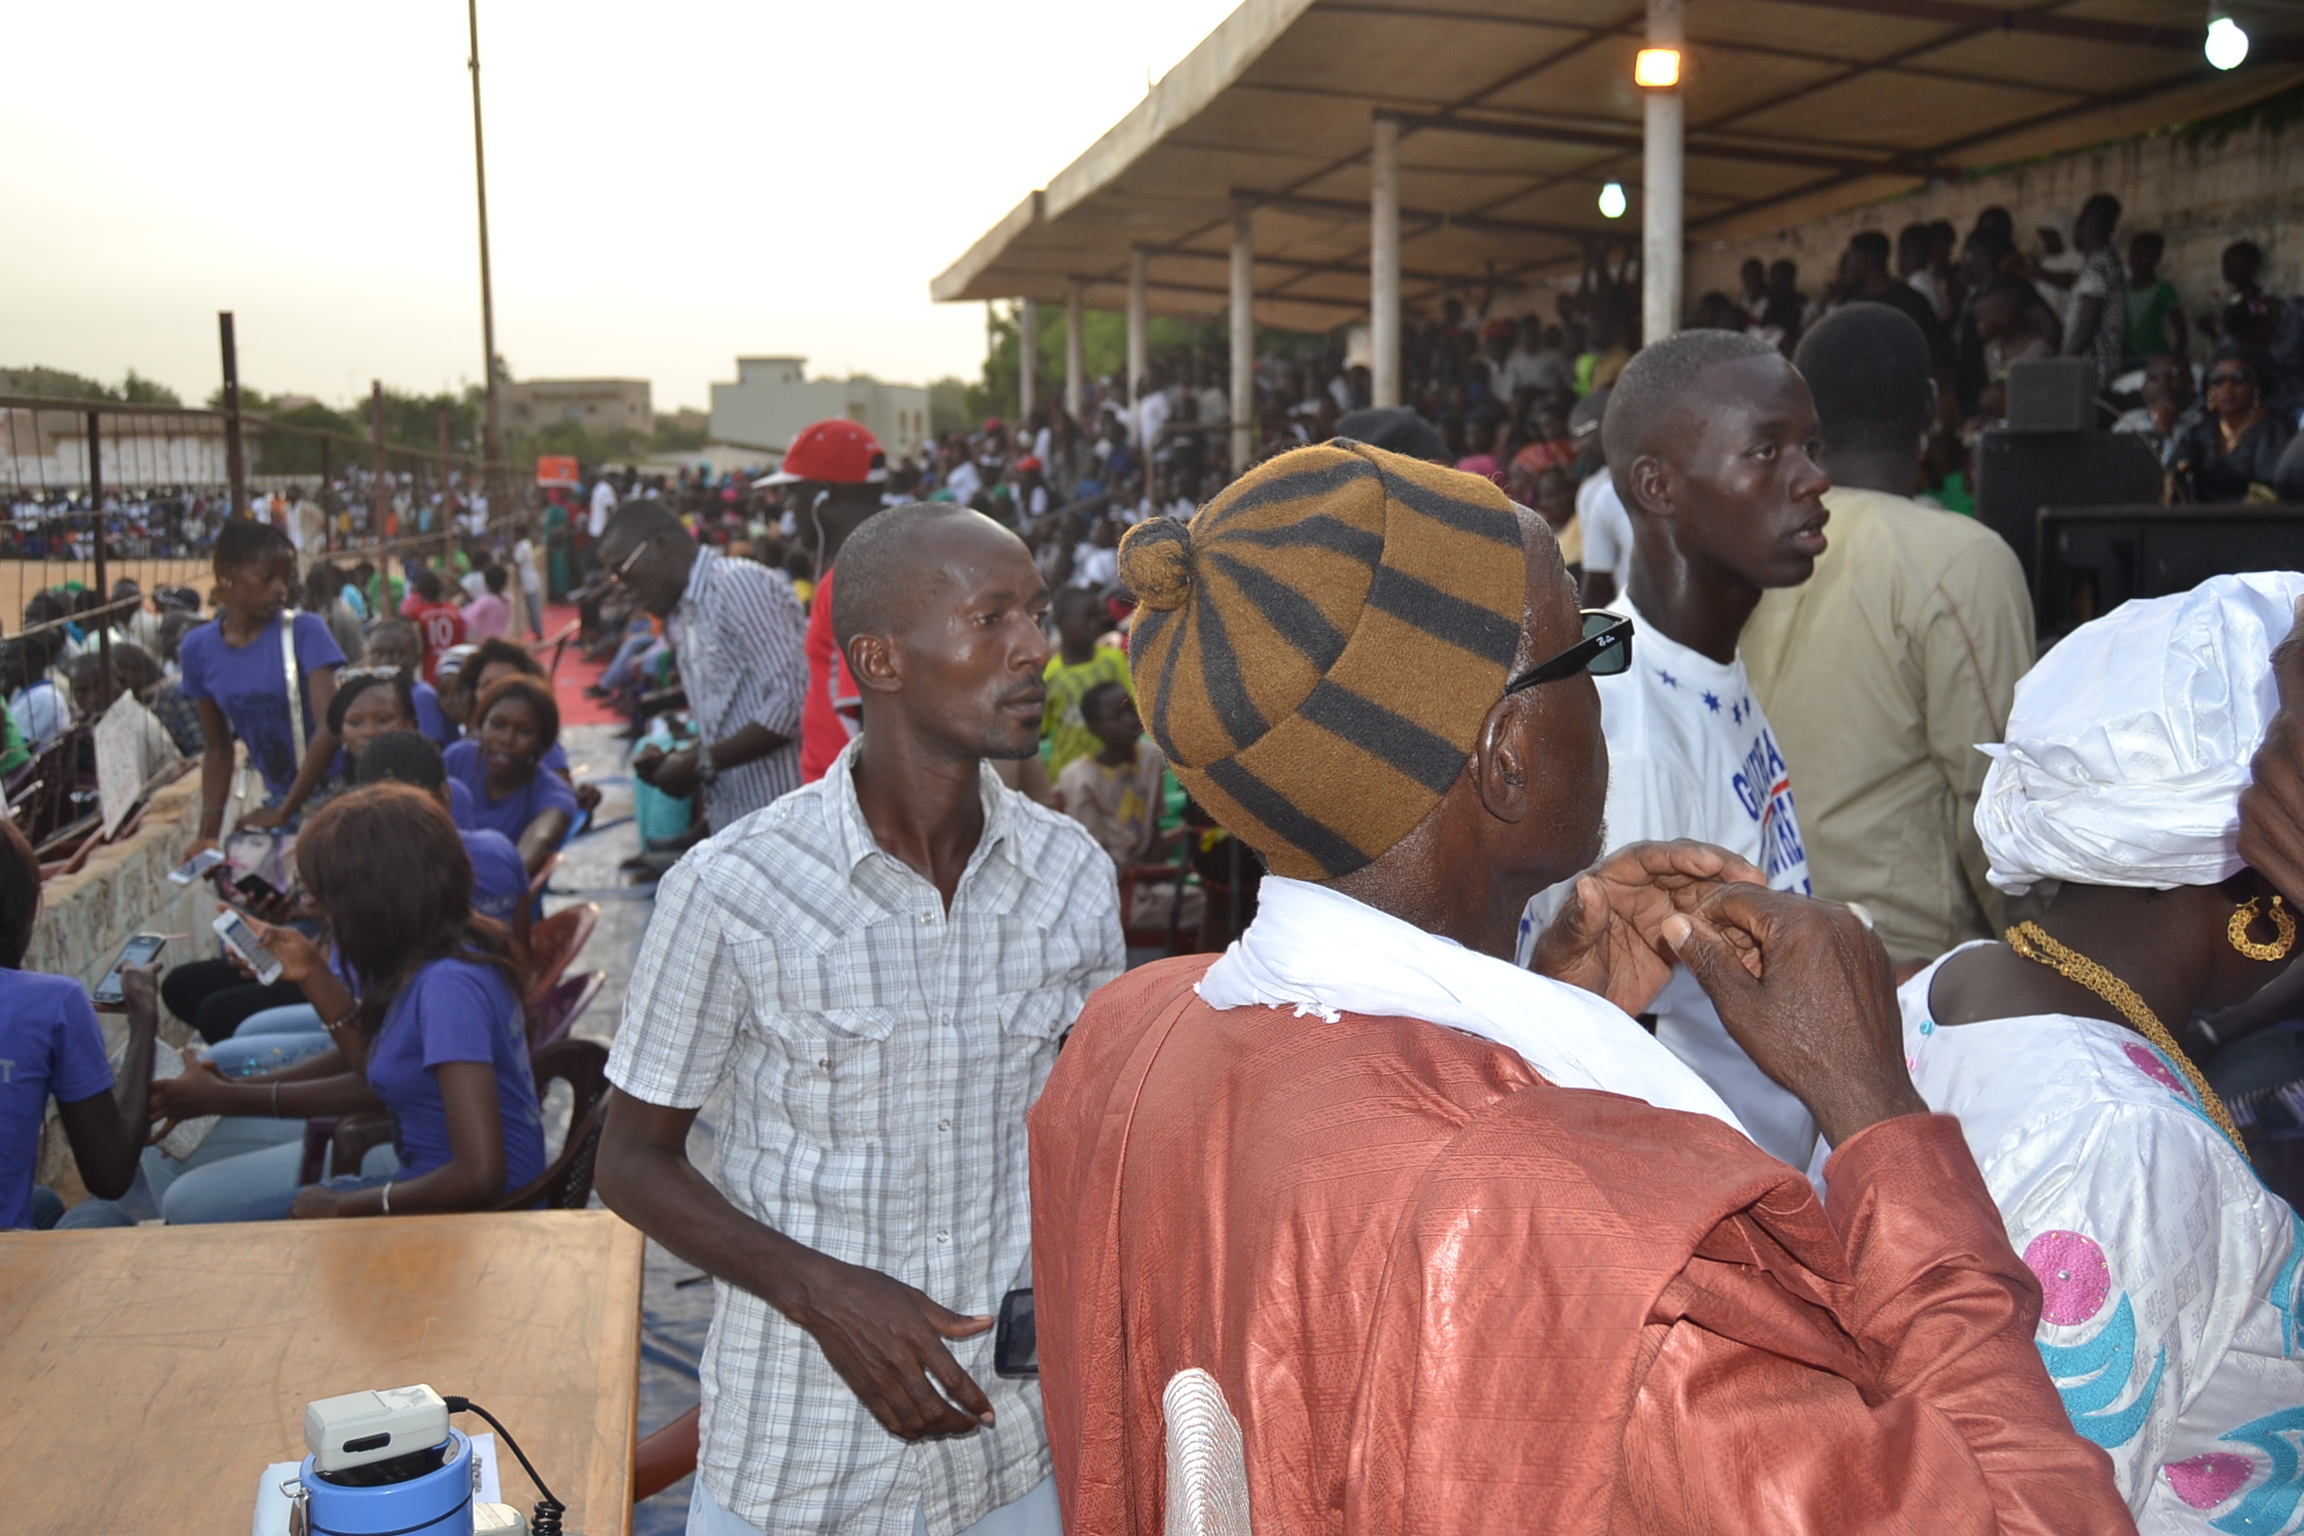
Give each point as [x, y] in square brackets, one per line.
[140, 950]
[256, 888]
[1016, 1343]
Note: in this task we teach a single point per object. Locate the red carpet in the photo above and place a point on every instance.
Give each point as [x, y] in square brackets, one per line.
[574, 674]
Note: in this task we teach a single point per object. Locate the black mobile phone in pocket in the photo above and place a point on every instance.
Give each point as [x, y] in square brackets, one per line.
[1016, 1343]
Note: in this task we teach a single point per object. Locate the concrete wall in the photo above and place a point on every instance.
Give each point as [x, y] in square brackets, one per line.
[124, 890]
[598, 405]
[2199, 199]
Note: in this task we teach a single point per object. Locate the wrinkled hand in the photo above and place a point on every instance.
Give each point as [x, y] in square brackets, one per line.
[1808, 991]
[316, 1202]
[2272, 808]
[887, 1342]
[300, 959]
[1609, 936]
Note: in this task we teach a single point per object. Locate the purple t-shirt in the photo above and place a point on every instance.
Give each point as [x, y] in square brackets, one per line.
[250, 684]
[454, 1010]
[49, 1044]
[544, 791]
[499, 879]
[433, 724]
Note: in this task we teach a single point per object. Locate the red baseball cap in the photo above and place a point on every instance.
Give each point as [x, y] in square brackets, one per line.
[838, 451]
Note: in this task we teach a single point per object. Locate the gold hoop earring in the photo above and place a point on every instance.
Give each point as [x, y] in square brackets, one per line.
[2244, 917]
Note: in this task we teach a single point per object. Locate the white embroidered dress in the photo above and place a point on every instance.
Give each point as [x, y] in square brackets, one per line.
[2169, 1273]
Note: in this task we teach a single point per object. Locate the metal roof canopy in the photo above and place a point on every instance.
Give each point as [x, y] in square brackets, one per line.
[1513, 120]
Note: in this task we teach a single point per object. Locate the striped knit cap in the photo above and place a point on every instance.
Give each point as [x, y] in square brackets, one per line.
[1318, 647]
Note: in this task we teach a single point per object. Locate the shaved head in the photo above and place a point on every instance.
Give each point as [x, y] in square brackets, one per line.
[1662, 380]
[883, 567]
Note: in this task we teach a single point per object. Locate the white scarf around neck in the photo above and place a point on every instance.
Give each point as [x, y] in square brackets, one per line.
[1320, 952]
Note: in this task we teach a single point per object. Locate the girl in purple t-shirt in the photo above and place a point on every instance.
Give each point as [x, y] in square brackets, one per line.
[516, 722]
[236, 671]
[436, 1038]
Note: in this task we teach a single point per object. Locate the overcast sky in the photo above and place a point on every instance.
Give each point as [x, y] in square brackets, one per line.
[670, 184]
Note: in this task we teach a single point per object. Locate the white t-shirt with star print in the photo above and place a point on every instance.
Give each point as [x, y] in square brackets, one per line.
[1691, 755]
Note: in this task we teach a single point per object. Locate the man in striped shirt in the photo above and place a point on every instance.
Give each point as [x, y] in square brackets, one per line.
[874, 974]
[740, 635]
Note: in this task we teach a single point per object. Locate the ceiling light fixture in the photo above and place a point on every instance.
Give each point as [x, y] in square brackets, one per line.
[2227, 41]
[1612, 203]
[1657, 69]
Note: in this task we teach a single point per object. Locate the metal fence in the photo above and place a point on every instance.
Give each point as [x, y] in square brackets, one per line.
[95, 492]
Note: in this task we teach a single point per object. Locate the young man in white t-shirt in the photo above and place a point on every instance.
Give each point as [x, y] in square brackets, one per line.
[1711, 439]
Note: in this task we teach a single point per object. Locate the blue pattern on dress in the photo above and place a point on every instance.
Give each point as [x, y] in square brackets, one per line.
[2269, 1505]
[2284, 1286]
[2106, 1361]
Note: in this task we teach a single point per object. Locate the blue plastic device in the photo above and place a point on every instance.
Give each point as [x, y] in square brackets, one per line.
[437, 1504]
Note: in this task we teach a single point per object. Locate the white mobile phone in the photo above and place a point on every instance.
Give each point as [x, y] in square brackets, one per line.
[196, 866]
[240, 938]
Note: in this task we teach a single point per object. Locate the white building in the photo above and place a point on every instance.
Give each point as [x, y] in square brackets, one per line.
[773, 398]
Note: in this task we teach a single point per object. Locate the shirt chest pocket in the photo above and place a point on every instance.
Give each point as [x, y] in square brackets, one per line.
[837, 1074]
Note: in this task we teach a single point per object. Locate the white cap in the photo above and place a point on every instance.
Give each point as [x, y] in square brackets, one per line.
[2129, 743]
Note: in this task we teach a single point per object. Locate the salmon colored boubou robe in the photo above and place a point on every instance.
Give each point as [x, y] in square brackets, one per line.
[1442, 1295]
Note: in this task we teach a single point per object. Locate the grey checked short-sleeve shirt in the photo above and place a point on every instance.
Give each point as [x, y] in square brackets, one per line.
[879, 1055]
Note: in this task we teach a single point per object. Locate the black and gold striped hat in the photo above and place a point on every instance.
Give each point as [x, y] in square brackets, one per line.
[1317, 648]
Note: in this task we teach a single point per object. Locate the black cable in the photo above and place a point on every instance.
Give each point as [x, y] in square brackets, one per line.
[548, 1509]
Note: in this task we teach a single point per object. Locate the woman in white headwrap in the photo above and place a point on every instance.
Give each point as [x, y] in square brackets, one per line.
[2169, 1273]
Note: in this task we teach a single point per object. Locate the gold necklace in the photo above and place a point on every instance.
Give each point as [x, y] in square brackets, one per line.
[2034, 943]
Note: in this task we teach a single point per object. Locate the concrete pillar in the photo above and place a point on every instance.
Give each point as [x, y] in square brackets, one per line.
[1028, 379]
[1139, 280]
[1075, 368]
[1661, 164]
[1384, 262]
[1243, 334]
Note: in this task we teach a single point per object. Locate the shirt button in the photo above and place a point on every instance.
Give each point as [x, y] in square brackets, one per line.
[943, 1236]
[943, 1125]
[928, 917]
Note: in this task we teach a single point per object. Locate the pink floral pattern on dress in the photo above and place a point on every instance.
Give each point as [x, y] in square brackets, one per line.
[2207, 1481]
[2074, 1278]
[2149, 1063]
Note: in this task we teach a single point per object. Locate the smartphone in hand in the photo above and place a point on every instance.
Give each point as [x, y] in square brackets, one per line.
[140, 950]
[257, 889]
[1016, 1344]
[196, 866]
[239, 936]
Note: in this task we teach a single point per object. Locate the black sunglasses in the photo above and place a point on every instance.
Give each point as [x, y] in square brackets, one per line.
[1605, 650]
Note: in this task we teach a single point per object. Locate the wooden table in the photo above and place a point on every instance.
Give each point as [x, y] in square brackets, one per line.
[148, 1375]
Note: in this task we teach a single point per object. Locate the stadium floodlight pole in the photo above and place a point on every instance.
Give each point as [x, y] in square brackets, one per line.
[1658, 73]
[492, 461]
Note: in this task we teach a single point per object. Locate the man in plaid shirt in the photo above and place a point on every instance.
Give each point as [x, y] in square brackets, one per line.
[875, 972]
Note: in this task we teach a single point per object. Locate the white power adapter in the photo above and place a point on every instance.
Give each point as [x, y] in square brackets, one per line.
[363, 1427]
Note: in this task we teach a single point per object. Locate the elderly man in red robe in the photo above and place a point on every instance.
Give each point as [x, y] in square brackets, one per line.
[1457, 1247]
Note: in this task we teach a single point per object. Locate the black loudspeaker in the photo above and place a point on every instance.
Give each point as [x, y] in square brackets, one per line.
[2018, 473]
[2093, 559]
[2052, 394]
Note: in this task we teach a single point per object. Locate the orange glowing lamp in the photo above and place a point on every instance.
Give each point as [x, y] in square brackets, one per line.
[1657, 69]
